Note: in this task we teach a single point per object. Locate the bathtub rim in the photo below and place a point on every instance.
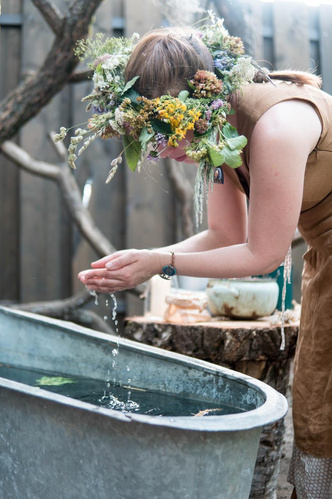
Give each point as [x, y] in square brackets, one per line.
[272, 409]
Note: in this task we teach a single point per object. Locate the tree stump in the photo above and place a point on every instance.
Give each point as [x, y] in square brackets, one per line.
[249, 347]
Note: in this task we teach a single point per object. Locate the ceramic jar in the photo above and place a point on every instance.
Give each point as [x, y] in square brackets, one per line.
[248, 298]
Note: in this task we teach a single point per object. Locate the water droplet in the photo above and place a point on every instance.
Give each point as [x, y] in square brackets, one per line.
[93, 293]
[105, 317]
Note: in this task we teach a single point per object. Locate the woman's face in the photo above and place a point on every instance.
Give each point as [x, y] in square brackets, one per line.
[178, 153]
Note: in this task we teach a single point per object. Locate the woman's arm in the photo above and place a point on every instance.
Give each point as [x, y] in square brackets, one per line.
[281, 142]
[227, 221]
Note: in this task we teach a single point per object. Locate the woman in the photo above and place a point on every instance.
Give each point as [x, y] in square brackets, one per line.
[287, 175]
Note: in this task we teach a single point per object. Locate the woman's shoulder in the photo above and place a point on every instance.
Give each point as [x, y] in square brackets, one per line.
[256, 98]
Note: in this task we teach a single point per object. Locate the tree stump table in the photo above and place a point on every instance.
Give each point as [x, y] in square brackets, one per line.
[249, 347]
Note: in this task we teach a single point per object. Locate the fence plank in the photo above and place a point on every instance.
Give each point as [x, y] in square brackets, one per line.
[291, 36]
[325, 19]
[10, 45]
[45, 248]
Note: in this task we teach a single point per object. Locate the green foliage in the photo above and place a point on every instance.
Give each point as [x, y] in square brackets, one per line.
[132, 150]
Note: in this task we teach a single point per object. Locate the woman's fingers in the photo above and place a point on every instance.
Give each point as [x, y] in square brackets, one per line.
[122, 270]
[89, 274]
[103, 261]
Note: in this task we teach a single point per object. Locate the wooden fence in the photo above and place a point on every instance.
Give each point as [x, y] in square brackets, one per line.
[40, 251]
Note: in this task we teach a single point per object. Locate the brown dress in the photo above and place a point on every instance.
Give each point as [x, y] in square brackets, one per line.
[312, 387]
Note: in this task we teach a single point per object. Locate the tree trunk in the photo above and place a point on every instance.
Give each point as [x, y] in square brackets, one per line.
[25, 101]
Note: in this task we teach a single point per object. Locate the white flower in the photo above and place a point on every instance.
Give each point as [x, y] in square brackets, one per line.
[117, 127]
[99, 81]
[243, 70]
[111, 63]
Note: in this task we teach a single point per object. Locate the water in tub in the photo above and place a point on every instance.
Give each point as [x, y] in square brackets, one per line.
[112, 395]
[119, 398]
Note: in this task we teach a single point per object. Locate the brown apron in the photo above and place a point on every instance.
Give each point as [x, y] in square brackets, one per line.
[312, 389]
[312, 386]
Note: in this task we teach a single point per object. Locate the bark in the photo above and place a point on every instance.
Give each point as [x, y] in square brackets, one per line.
[51, 14]
[26, 100]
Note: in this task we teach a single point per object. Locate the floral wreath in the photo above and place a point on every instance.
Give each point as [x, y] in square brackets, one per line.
[148, 125]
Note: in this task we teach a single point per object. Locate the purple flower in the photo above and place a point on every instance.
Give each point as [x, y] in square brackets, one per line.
[208, 114]
[222, 61]
[153, 157]
[98, 110]
[101, 59]
[216, 104]
[161, 139]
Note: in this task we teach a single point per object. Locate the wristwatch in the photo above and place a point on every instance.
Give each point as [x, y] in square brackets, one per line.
[169, 270]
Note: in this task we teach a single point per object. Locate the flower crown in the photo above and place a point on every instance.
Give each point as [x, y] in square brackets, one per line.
[148, 125]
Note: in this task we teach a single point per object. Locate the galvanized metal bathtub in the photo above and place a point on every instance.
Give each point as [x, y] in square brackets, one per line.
[52, 446]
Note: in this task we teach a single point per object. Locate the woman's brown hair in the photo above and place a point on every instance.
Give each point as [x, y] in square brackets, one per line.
[298, 77]
[165, 59]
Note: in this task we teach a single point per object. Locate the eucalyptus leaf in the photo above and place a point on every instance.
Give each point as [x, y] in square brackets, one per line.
[132, 150]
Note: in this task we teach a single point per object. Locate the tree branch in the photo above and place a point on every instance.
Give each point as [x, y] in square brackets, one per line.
[51, 14]
[80, 215]
[69, 310]
[26, 100]
[22, 159]
[70, 192]
[80, 76]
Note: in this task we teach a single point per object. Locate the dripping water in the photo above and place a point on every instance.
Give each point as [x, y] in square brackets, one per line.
[108, 399]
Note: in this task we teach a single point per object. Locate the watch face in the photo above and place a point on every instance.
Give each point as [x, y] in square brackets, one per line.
[169, 270]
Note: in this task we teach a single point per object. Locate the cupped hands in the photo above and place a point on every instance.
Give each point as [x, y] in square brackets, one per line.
[121, 270]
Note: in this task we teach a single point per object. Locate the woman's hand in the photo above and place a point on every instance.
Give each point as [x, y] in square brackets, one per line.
[122, 270]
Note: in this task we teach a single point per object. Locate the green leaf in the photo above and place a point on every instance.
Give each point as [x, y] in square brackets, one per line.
[183, 95]
[132, 150]
[161, 127]
[237, 142]
[217, 157]
[129, 84]
[145, 137]
[132, 95]
[232, 157]
[191, 85]
[53, 381]
[229, 132]
[233, 139]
